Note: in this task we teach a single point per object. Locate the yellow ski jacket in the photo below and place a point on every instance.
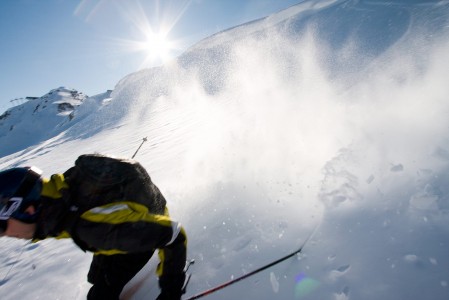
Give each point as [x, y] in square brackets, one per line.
[115, 228]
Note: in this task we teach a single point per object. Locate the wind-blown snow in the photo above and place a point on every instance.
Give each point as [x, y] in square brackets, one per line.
[329, 115]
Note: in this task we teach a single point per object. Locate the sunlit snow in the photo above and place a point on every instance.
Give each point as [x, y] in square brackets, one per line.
[330, 115]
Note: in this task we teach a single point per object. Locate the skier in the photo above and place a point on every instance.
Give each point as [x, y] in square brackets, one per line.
[122, 233]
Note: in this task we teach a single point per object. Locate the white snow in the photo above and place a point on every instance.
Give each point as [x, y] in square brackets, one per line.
[330, 115]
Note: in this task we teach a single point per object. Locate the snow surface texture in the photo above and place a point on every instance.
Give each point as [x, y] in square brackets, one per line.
[330, 113]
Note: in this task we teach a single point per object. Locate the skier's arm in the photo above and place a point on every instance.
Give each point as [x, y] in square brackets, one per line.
[170, 269]
[51, 209]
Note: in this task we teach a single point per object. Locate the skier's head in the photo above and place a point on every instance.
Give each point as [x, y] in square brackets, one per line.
[20, 189]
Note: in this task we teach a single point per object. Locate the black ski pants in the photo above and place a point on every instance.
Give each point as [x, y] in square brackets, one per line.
[110, 273]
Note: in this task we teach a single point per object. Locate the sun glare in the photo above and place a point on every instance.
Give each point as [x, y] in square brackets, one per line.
[155, 25]
[157, 46]
[149, 24]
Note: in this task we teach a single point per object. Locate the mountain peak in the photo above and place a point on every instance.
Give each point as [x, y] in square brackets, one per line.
[40, 118]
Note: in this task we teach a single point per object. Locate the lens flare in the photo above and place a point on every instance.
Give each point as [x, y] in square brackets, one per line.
[305, 285]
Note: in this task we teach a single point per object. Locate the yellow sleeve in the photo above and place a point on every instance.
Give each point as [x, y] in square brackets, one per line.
[52, 187]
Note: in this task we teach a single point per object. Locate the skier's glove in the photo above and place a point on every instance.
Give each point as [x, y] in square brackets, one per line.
[171, 286]
[169, 296]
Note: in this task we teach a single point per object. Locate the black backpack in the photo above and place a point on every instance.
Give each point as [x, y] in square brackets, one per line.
[97, 179]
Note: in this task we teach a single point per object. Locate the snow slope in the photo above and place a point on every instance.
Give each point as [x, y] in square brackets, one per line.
[329, 115]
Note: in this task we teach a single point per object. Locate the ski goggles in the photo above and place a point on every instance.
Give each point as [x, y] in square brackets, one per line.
[8, 206]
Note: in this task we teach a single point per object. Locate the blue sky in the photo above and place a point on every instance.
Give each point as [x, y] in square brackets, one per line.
[90, 45]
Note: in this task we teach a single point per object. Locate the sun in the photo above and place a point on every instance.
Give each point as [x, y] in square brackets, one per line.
[157, 46]
[154, 44]
[149, 28]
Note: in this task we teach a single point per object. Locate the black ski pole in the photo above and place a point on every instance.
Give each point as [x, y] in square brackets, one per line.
[228, 283]
[143, 141]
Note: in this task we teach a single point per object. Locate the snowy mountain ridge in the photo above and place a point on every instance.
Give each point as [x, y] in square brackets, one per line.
[44, 117]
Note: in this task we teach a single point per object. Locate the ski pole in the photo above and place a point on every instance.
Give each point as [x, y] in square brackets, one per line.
[143, 141]
[228, 283]
[14, 263]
